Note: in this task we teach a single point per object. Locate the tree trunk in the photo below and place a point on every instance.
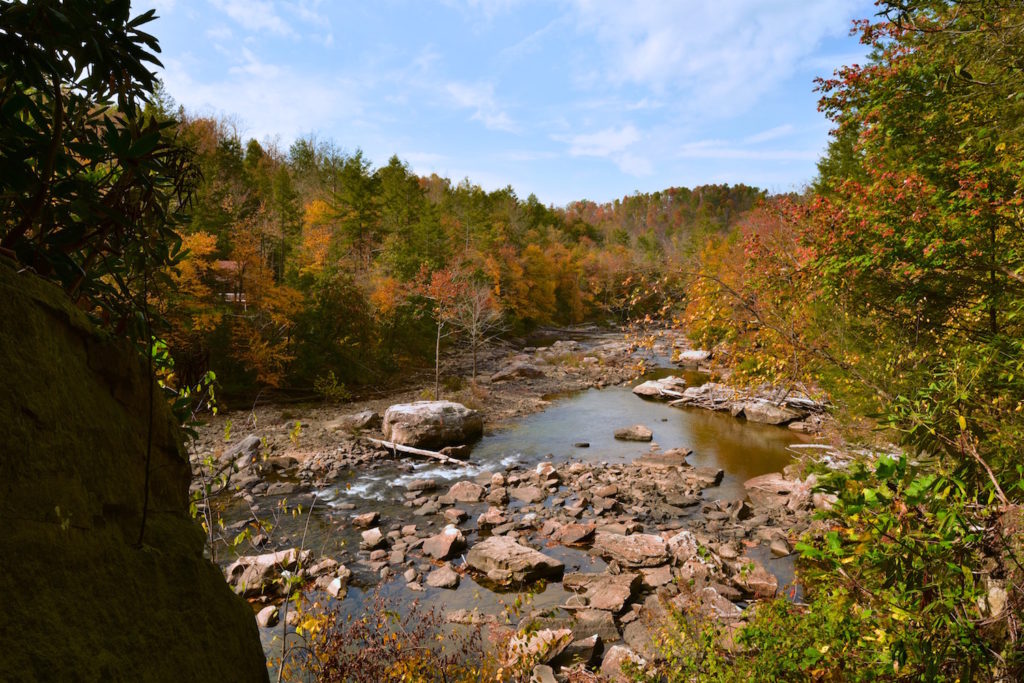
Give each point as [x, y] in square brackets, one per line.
[437, 364]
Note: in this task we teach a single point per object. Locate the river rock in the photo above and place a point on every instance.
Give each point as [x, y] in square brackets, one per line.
[445, 544]
[752, 578]
[574, 534]
[541, 646]
[502, 560]
[766, 412]
[267, 617]
[493, 517]
[443, 577]
[580, 651]
[242, 453]
[529, 494]
[517, 369]
[672, 458]
[634, 433]
[364, 419]
[372, 539]
[634, 550]
[692, 358]
[432, 424]
[604, 591]
[420, 485]
[365, 521]
[665, 388]
[770, 491]
[466, 492]
[614, 661]
[253, 575]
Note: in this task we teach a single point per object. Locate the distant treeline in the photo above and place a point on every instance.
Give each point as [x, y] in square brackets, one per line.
[312, 264]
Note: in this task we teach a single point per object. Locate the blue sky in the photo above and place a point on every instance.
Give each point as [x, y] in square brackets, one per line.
[573, 99]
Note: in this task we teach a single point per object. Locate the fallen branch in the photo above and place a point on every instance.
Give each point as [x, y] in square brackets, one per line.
[399, 448]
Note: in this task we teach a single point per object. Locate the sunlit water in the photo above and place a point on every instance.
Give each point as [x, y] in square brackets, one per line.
[741, 449]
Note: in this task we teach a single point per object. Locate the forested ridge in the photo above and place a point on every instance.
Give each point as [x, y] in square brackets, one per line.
[312, 263]
[893, 287]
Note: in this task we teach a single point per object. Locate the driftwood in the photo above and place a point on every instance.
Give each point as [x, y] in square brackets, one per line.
[400, 448]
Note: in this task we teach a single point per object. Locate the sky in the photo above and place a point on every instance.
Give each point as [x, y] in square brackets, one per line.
[565, 99]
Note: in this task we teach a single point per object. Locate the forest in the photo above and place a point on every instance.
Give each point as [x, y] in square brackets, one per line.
[892, 286]
[311, 268]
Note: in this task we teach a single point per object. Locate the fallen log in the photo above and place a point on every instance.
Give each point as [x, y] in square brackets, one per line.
[400, 448]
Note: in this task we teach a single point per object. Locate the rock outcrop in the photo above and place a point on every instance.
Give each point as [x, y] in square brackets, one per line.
[85, 599]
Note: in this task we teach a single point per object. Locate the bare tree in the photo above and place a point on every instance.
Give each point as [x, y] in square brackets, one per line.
[477, 314]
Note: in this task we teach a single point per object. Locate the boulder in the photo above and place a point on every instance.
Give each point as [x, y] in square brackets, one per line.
[528, 494]
[504, 560]
[365, 521]
[614, 662]
[267, 617]
[445, 544]
[634, 433]
[692, 358]
[665, 388]
[466, 492]
[634, 550]
[574, 534]
[765, 412]
[432, 424]
[517, 369]
[372, 539]
[770, 491]
[254, 575]
[91, 593]
[611, 592]
[242, 453]
[364, 419]
[443, 577]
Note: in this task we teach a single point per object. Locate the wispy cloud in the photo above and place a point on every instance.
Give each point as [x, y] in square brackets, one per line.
[255, 15]
[775, 133]
[271, 99]
[719, 149]
[723, 54]
[480, 98]
[611, 143]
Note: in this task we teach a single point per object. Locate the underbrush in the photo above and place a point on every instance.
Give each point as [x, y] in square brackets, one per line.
[390, 642]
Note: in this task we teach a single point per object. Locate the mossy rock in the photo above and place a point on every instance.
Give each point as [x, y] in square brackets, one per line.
[89, 602]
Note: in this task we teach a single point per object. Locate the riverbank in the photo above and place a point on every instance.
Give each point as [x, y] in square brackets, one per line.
[636, 524]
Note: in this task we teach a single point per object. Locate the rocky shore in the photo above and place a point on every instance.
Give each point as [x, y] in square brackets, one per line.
[657, 538]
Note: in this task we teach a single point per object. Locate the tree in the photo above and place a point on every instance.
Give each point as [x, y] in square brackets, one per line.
[443, 289]
[477, 315]
[90, 187]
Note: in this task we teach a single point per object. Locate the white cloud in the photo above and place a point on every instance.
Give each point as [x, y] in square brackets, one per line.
[270, 99]
[480, 98]
[603, 143]
[775, 133]
[255, 15]
[219, 33]
[721, 55]
[611, 143]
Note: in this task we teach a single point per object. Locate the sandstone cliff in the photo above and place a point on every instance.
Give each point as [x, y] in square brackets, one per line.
[87, 603]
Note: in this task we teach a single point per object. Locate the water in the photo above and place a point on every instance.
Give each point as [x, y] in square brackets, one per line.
[743, 450]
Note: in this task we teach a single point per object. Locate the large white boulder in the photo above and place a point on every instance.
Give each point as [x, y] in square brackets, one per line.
[432, 424]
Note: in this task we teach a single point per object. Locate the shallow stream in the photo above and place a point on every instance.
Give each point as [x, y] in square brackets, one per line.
[741, 449]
